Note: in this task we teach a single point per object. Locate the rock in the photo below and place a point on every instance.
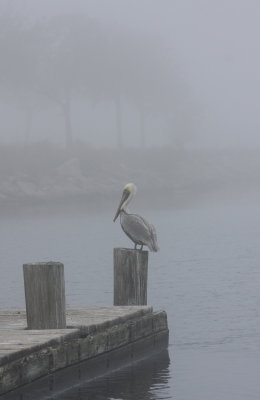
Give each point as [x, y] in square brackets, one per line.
[70, 168]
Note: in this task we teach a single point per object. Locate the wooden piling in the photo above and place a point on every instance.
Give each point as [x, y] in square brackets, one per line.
[130, 277]
[45, 295]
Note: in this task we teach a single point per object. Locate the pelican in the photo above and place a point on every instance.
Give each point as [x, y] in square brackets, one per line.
[135, 227]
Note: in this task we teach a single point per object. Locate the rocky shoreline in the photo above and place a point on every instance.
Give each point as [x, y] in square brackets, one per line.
[91, 179]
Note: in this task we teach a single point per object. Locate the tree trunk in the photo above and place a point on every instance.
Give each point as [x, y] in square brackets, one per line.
[28, 125]
[118, 106]
[142, 127]
[66, 109]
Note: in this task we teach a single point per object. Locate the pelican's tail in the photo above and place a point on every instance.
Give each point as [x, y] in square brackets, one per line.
[153, 246]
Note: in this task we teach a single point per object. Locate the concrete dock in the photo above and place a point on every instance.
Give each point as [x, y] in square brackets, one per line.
[103, 337]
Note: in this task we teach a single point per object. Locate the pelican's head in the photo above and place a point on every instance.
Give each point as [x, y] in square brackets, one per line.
[128, 192]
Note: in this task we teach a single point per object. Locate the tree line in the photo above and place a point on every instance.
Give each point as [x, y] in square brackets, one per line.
[73, 58]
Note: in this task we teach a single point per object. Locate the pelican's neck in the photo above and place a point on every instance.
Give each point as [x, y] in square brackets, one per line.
[124, 206]
[123, 213]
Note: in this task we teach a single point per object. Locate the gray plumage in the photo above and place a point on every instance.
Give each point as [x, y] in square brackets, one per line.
[140, 231]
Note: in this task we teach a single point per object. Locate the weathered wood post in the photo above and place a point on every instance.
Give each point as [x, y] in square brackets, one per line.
[45, 295]
[130, 277]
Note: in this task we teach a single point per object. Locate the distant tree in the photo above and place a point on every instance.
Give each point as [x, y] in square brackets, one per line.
[21, 50]
[72, 57]
[71, 65]
[140, 70]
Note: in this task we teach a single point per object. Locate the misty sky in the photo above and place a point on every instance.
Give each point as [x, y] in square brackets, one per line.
[215, 46]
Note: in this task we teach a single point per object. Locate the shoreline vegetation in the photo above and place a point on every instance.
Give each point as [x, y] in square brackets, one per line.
[43, 177]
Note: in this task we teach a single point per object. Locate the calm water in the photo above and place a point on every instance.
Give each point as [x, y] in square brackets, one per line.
[206, 276]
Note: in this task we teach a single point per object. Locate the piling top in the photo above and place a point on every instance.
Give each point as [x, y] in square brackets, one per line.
[41, 263]
[125, 249]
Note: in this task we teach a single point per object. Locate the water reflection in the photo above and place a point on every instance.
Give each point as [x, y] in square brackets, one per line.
[145, 380]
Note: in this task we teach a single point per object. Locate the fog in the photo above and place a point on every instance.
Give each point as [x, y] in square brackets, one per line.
[162, 93]
[165, 94]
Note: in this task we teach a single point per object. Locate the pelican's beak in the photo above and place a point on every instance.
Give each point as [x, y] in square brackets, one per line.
[123, 199]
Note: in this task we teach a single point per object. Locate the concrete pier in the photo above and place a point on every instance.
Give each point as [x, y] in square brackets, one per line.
[93, 333]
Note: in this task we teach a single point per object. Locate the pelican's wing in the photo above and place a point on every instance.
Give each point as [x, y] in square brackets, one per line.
[139, 230]
[154, 238]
